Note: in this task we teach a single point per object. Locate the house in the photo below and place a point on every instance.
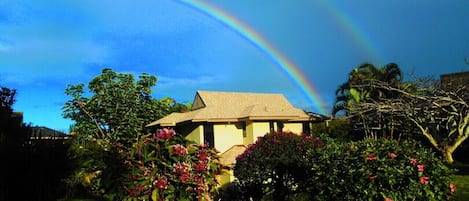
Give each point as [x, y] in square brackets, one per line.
[44, 133]
[454, 80]
[230, 121]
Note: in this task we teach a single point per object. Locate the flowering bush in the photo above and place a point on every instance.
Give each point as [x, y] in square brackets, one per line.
[286, 166]
[274, 166]
[165, 166]
[378, 170]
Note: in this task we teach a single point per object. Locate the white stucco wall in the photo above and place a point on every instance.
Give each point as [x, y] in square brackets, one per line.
[227, 135]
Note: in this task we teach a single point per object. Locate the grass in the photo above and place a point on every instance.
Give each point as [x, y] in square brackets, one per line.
[462, 187]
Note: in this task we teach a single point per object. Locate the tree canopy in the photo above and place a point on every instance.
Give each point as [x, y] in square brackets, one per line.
[109, 118]
[118, 106]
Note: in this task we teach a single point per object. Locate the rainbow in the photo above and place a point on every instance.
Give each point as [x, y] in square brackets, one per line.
[362, 39]
[243, 30]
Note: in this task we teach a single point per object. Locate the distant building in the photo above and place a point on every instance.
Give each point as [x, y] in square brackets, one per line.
[44, 133]
[454, 80]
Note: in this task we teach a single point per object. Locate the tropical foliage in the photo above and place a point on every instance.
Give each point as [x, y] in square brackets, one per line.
[348, 94]
[274, 166]
[165, 166]
[378, 170]
[439, 116]
[109, 118]
[325, 169]
[359, 89]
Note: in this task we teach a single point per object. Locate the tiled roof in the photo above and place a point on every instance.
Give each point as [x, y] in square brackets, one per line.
[211, 106]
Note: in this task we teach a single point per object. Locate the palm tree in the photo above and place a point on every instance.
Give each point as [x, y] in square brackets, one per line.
[359, 86]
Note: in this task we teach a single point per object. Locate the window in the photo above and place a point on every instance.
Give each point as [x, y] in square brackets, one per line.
[271, 127]
[280, 126]
[208, 134]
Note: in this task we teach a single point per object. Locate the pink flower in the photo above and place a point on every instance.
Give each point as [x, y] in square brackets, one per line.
[179, 150]
[181, 168]
[133, 177]
[392, 155]
[452, 187]
[164, 134]
[371, 157]
[318, 142]
[199, 189]
[420, 168]
[205, 145]
[424, 180]
[387, 199]
[413, 161]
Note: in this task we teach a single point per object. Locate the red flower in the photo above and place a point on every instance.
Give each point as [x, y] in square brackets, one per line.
[392, 155]
[420, 168]
[371, 157]
[179, 150]
[372, 178]
[200, 166]
[185, 177]
[387, 199]
[452, 187]
[413, 161]
[118, 145]
[199, 179]
[161, 183]
[134, 192]
[203, 155]
[424, 180]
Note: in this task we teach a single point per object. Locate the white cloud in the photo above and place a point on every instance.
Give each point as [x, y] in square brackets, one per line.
[168, 82]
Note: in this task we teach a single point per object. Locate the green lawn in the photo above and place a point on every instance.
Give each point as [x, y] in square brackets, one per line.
[462, 187]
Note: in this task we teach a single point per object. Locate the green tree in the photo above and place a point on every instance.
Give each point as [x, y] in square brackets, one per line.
[7, 99]
[108, 118]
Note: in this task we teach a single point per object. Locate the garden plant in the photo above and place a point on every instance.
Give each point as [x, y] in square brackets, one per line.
[381, 169]
[165, 166]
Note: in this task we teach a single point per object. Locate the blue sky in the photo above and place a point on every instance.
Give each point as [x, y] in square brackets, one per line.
[45, 45]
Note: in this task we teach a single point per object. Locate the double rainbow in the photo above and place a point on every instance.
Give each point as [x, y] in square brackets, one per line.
[243, 30]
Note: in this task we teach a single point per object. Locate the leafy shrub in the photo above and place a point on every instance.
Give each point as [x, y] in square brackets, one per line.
[378, 170]
[286, 166]
[274, 166]
[98, 169]
[165, 166]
